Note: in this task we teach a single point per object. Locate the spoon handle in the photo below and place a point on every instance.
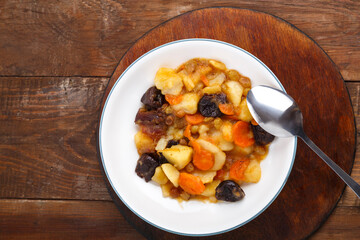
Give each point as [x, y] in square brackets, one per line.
[341, 173]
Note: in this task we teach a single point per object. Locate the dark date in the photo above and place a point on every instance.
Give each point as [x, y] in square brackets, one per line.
[209, 104]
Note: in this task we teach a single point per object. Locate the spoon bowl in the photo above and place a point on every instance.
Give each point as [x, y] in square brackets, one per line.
[278, 113]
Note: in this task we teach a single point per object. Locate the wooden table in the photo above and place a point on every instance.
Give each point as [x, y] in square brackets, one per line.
[55, 63]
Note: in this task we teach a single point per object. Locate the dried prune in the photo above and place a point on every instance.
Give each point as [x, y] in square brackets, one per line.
[171, 142]
[162, 159]
[153, 99]
[261, 136]
[229, 191]
[154, 131]
[209, 104]
[146, 165]
[146, 117]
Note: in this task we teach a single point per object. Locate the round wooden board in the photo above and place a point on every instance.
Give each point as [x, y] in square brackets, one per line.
[311, 78]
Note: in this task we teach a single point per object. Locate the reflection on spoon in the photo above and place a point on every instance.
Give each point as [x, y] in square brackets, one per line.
[277, 113]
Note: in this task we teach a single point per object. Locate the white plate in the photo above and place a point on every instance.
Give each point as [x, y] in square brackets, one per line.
[119, 155]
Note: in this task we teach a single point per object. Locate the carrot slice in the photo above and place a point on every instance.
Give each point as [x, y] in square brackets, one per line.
[205, 80]
[242, 134]
[238, 168]
[194, 118]
[202, 159]
[187, 132]
[173, 99]
[191, 184]
[226, 108]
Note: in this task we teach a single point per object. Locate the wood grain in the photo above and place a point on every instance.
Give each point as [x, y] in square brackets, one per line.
[310, 77]
[44, 219]
[48, 124]
[52, 219]
[349, 198]
[342, 221]
[342, 224]
[48, 135]
[87, 38]
[47, 138]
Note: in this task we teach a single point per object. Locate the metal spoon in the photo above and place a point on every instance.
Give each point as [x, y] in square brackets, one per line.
[277, 113]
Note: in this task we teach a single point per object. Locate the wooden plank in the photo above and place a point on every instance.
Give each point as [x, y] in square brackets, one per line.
[87, 38]
[343, 223]
[48, 149]
[47, 138]
[51, 219]
[44, 219]
[349, 198]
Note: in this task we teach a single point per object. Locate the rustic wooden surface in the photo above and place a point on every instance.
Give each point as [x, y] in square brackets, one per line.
[55, 64]
[304, 70]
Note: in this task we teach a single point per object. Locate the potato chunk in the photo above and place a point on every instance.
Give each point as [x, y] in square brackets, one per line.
[168, 81]
[189, 103]
[188, 82]
[245, 114]
[171, 173]
[253, 172]
[218, 80]
[226, 131]
[144, 143]
[178, 155]
[205, 176]
[159, 176]
[233, 91]
[204, 70]
[218, 65]
[161, 145]
[211, 90]
[225, 145]
[210, 188]
[165, 188]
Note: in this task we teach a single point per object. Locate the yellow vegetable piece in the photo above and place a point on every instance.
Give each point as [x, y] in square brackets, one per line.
[171, 173]
[178, 155]
[168, 81]
[159, 176]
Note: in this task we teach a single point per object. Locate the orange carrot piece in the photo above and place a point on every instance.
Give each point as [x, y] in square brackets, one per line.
[253, 122]
[242, 134]
[205, 80]
[202, 159]
[173, 99]
[226, 108]
[238, 168]
[196, 146]
[187, 132]
[194, 118]
[191, 184]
